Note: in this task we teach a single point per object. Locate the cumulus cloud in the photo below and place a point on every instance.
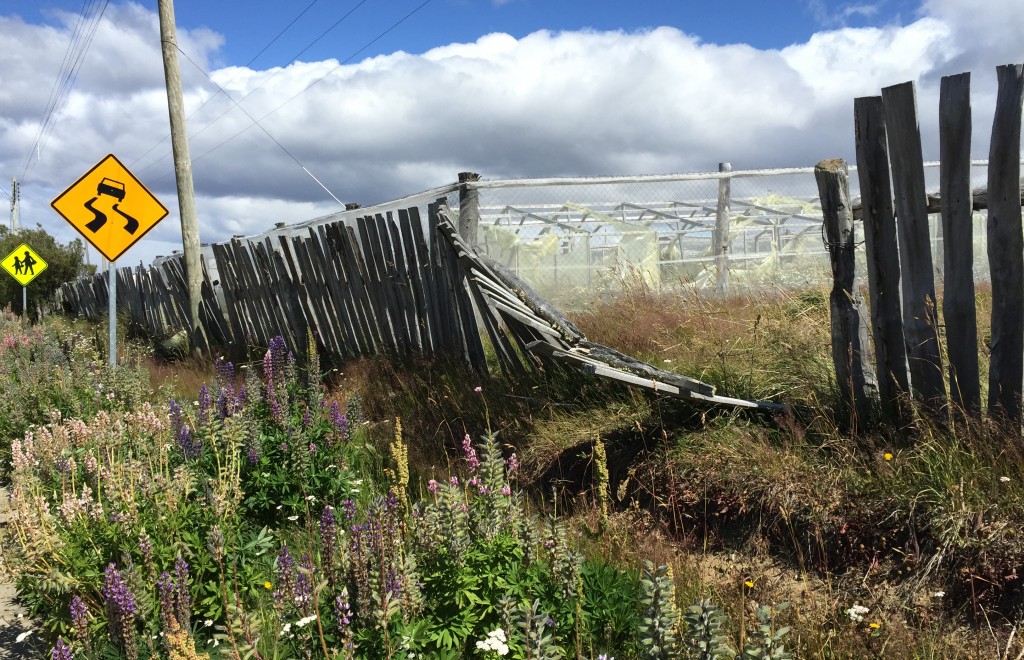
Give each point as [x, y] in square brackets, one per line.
[549, 103]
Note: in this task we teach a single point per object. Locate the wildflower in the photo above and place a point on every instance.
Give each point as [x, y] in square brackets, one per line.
[267, 585]
[874, 625]
[61, 650]
[121, 610]
[1004, 479]
[478, 389]
[512, 463]
[305, 621]
[470, 453]
[293, 518]
[205, 403]
[749, 584]
[79, 619]
[938, 594]
[496, 641]
[432, 486]
[208, 623]
[23, 636]
[506, 491]
[856, 613]
[887, 456]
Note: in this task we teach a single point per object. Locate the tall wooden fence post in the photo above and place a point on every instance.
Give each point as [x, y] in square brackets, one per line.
[721, 237]
[958, 310]
[920, 322]
[469, 207]
[849, 334]
[1006, 248]
[883, 259]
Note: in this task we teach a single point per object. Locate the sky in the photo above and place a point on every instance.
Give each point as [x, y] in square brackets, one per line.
[379, 99]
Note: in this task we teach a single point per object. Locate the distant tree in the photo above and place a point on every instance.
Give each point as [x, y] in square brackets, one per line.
[63, 264]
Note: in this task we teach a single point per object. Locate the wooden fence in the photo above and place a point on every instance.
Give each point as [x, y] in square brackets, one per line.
[906, 329]
[377, 284]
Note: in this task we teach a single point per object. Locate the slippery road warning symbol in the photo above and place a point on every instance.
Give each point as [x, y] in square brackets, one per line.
[110, 208]
[24, 264]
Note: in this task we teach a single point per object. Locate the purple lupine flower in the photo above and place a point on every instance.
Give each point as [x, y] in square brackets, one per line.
[349, 507]
[175, 415]
[512, 463]
[303, 594]
[338, 418]
[223, 404]
[183, 596]
[470, 453]
[328, 539]
[205, 403]
[343, 613]
[225, 371]
[312, 448]
[80, 618]
[252, 451]
[165, 590]
[121, 610]
[392, 584]
[63, 465]
[433, 486]
[146, 548]
[61, 650]
[285, 576]
[307, 418]
[506, 491]
[190, 447]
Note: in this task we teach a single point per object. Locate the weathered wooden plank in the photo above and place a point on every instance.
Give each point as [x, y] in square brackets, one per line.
[416, 260]
[343, 242]
[356, 342]
[374, 267]
[392, 283]
[229, 287]
[850, 345]
[958, 309]
[252, 293]
[445, 313]
[920, 325]
[1006, 249]
[883, 261]
[403, 284]
[366, 289]
[331, 334]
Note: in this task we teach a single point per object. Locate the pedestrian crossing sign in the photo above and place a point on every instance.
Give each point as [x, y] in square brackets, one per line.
[110, 208]
[24, 264]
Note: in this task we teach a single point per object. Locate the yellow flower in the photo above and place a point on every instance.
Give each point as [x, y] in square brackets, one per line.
[887, 456]
[749, 583]
[267, 585]
[874, 625]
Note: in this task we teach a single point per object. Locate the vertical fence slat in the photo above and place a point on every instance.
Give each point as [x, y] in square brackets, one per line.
[920, 325]
[849, 332]
[958, 309]
[883, 261]
[721, 235]
[1006, 248]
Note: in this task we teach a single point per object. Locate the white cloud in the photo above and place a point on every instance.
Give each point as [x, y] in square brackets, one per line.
[550, 103]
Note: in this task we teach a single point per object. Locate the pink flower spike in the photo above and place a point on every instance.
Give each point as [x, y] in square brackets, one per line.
[478, 389]
[432, 486]
[454, 481]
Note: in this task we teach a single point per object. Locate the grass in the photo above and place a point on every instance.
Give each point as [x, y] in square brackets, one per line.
[884, 517]
[747, 509]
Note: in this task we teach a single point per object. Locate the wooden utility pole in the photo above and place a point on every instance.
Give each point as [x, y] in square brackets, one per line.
[182, 172]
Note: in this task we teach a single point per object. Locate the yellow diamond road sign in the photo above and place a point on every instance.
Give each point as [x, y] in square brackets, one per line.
[24, 264]
[110, 208]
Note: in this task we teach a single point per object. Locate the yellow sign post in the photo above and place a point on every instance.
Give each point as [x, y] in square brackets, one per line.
[24, 265]
[110, 208]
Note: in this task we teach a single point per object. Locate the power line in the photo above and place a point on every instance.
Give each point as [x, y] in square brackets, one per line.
[207, 101]
[81, 40]
[310, 85]
[262, 127]
[254, 90]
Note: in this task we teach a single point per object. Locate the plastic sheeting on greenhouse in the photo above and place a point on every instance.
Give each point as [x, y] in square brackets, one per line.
[566, 248]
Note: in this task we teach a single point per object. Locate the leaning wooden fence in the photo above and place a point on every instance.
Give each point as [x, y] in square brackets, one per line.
[376, 284]
[905, 328]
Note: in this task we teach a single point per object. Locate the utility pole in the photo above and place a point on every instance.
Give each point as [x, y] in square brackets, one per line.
[182, 172]
[15, 194]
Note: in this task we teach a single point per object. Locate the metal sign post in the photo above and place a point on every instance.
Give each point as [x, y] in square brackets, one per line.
[24, 301]
[112, 289]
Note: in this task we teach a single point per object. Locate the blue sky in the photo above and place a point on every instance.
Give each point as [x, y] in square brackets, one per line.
[250, 26]
[509, 88]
